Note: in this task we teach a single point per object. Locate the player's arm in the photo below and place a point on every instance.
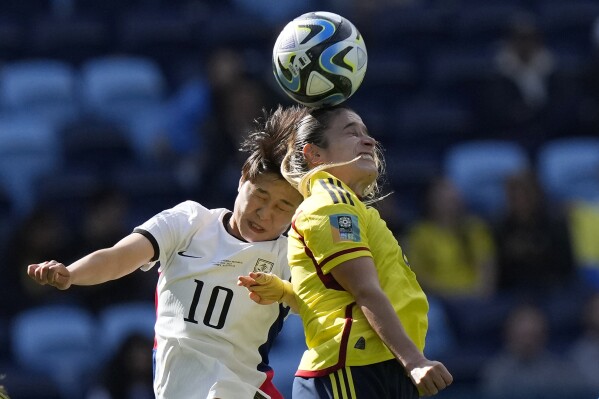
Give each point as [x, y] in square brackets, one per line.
[359, 277]
[100, 266]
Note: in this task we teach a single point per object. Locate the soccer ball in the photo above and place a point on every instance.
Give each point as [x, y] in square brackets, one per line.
[319, 59]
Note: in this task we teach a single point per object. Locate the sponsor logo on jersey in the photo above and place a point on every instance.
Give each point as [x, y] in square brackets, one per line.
[345, 228]
[263, 266]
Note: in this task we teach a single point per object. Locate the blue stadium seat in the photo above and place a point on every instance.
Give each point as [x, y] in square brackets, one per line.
[120, 320]
[28, 150]
[479, 169]
[116, 87]
[42, 87]
[58, 341]
[569, 168]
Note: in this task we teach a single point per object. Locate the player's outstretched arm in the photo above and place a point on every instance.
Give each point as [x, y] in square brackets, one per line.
[267, 288]
[359, 277]
[98, 267]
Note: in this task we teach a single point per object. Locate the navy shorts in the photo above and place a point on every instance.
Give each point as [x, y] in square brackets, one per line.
[380, 380]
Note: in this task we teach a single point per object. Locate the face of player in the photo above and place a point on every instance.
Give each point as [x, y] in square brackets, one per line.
[348, 138]
[263, 208]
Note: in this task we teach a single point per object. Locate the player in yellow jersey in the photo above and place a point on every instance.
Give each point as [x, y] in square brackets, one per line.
[364, 313]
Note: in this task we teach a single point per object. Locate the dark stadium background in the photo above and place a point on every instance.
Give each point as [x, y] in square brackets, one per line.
[89, 150]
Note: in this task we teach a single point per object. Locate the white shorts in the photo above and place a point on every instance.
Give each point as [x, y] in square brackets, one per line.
[197, 376]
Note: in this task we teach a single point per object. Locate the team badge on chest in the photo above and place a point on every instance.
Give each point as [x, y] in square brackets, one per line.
[263, 266]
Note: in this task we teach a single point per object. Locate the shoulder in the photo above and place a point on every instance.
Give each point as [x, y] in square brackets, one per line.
[194, 210]
[330, 190]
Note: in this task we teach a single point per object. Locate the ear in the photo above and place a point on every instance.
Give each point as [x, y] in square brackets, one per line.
[312, 154]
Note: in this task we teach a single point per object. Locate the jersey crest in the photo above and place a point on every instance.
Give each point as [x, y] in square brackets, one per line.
[263, 266]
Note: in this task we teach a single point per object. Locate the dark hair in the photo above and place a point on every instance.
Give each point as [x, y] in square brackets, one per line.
[267, 144]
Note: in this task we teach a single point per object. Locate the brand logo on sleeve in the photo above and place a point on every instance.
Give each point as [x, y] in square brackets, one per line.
[360, 343]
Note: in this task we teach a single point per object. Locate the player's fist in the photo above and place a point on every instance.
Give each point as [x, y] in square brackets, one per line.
[50, 273]
[431, 377]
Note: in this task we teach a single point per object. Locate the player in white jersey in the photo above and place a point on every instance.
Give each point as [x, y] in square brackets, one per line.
[211, 340]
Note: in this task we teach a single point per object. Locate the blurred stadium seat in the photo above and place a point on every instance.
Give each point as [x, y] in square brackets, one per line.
[41, 87]
[120, 320]
[116, 87]
[58, 341]
[479, 168]
[28, 150]
[569, 168]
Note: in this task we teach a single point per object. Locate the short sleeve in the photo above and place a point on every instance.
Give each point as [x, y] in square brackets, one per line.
[169, 229]
[334, 234]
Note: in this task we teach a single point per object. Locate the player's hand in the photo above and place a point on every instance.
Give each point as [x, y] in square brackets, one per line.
[430, 377]
[50, 273]
[265, 288]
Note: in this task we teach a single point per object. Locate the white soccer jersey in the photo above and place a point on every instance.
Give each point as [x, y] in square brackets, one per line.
[211, 339]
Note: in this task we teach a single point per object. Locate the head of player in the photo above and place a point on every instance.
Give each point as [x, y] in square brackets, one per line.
[335, 139]
[265, 201]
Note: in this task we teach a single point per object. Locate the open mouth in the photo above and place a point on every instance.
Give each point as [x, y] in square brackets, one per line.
[366, 155]
[256, 227]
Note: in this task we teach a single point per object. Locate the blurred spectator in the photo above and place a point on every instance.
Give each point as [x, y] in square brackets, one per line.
[43, 234]
[129, 374]
[518, 100]
[236, 101]
[186, 112]
[584, 352]
[534, 253]
[104, 223]
[525, 367]
[584, 227]
[450, 250]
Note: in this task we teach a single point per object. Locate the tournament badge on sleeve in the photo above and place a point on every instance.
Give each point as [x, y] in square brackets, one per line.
[345, 228]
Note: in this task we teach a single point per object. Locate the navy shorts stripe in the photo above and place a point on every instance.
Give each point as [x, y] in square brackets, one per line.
[381, 380]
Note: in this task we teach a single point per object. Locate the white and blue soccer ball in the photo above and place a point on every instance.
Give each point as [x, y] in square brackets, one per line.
[319, 59]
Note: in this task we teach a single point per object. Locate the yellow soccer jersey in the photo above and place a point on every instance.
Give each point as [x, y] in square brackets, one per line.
[330, 227]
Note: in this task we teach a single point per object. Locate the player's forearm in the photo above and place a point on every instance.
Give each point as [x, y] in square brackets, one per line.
[384, 321]
[290, 298]
[96, 268]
